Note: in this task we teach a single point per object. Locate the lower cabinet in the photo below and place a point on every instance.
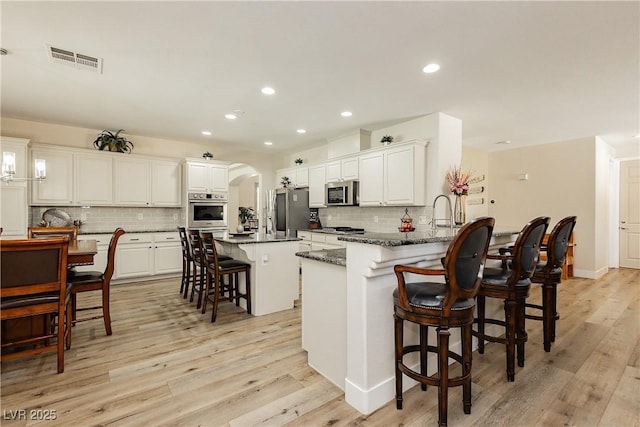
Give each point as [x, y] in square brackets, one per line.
[316, 241]
[138, 255]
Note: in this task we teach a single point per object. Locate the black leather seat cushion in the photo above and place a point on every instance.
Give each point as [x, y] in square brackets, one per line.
[22, 301]
[500, 276]
[230, 264]
[430, 295]
[86, 277]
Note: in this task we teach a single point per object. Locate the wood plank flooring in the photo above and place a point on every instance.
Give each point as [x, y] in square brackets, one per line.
[167, 365]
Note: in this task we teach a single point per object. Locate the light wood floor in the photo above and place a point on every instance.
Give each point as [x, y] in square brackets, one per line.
[165, 364]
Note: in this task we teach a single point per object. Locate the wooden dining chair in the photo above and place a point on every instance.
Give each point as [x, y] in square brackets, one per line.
[33, 282]
[510, 281]
[216, 270]
[187, 263]
[443, 306]
[45, 232]
[87, 281]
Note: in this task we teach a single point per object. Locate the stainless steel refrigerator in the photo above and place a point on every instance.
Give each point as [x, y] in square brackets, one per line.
[290, 211]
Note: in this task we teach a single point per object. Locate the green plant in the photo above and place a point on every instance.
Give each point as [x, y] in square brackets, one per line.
[285, 181]
[108, 140]
[245, 214]
[387, 139]
[207, 154]
[298, 161]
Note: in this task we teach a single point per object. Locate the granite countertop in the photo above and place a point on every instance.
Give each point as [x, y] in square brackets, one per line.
[254, 238]
[330, 256]
[331, 231]
[170, 230]
[413, 238]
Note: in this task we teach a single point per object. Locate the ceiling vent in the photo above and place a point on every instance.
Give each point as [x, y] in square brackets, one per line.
[78, 60]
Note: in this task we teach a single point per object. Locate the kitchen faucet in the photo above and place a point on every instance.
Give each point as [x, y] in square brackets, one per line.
[434, 220]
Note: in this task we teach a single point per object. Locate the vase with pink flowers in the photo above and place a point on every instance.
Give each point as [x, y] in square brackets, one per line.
[458, 181]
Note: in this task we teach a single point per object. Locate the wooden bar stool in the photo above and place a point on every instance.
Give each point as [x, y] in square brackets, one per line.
[511, 283]
[442, 305]
[187, 263]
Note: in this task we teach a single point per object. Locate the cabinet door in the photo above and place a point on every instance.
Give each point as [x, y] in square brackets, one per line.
[302, 177]
[334, 171]
[165, 183]
[13, 210]
[132, 182]
[19, 148]
[198, 177]
[350, 168]
[317, 180]
[219, 178]
[134, 260]
[57, 189]
[93, 179]
[371, 179]
[167, 257]
[399, 177]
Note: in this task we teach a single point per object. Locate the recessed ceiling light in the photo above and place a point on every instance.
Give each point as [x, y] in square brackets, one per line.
[268, 90]
[268, 143]
[206, 133]
[506, 141]
[346, 114]
[301, 131]
[230, 116]
[431, 68]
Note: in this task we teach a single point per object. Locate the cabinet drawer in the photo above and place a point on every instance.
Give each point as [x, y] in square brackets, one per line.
[304, 235]
[333, 240]
[136, 238]
[101, 239]
[318, 237]
[166, 237]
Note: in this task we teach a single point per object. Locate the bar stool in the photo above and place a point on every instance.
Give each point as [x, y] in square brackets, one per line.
[187, 262]
[511, 283]
[442, 305]
[549, 275]
[216, 270]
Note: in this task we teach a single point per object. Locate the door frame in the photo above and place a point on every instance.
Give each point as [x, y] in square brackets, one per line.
[614, 210]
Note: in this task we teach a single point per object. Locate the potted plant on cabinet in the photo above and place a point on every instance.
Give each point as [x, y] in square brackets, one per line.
[285, 181]
[298, 161]
[207, 155]
[386, 140]
[110, 141]
[245, 214]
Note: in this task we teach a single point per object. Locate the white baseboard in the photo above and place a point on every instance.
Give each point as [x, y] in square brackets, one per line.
[591, 274]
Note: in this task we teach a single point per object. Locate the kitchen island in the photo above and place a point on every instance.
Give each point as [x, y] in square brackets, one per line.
[274, 273]
[361, 325]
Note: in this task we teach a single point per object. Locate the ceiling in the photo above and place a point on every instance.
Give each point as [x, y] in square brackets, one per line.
[528, 72]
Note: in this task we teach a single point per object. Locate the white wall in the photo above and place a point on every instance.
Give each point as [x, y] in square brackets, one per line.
[562, 181]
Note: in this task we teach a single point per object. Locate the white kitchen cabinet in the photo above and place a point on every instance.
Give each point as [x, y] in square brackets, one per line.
[317, 180]
[207, 177]
[343, 170]
[166, 183]
[134, 255]
[371, 179]
[13, 195]
[93, 179]
[298, 176]
[317, 241]
[393, 176]
[57, 188]
[132, 177]
[167, 253]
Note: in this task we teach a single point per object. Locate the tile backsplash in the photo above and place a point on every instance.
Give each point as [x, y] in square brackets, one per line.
[106, 219]
[388, 218]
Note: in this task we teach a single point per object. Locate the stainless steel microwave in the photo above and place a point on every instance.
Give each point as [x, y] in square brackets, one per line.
[344, 193]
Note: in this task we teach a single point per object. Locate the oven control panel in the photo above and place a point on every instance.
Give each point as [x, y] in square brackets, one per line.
[219, 197]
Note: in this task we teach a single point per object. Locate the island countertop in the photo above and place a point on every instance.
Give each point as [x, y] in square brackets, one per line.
[413, 238]
[244, 239]
[329, 256]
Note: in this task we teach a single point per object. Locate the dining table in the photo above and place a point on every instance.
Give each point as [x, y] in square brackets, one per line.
[81, 252]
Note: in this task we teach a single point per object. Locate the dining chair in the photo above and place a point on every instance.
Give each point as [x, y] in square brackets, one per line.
[443, 306]
[187, 262]
[549, 276]
[87, 281]
[33, 282]
[46, 232]
[510, 281]
[216, 269]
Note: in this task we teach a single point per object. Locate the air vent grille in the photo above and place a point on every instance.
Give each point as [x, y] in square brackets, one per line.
[78, 60]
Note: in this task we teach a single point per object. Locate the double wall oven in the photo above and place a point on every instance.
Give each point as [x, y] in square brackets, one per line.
[208, 211]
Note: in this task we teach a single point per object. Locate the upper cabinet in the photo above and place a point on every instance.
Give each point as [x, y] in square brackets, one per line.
[13, 194]
[93, 179]
[57, 188]
[299, 176]
[317, 180]
[343, 169]
[402, 181]
[89, 177]
[207, 177]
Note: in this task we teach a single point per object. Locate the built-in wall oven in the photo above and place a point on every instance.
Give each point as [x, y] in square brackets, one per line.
[208, 210]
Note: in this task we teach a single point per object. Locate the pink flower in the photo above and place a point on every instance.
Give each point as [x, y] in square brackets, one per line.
[458, 180]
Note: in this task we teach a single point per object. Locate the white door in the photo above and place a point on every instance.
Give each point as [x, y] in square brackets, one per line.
[630, 214]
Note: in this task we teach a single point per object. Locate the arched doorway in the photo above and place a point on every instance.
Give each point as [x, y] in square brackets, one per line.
[245, 184]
